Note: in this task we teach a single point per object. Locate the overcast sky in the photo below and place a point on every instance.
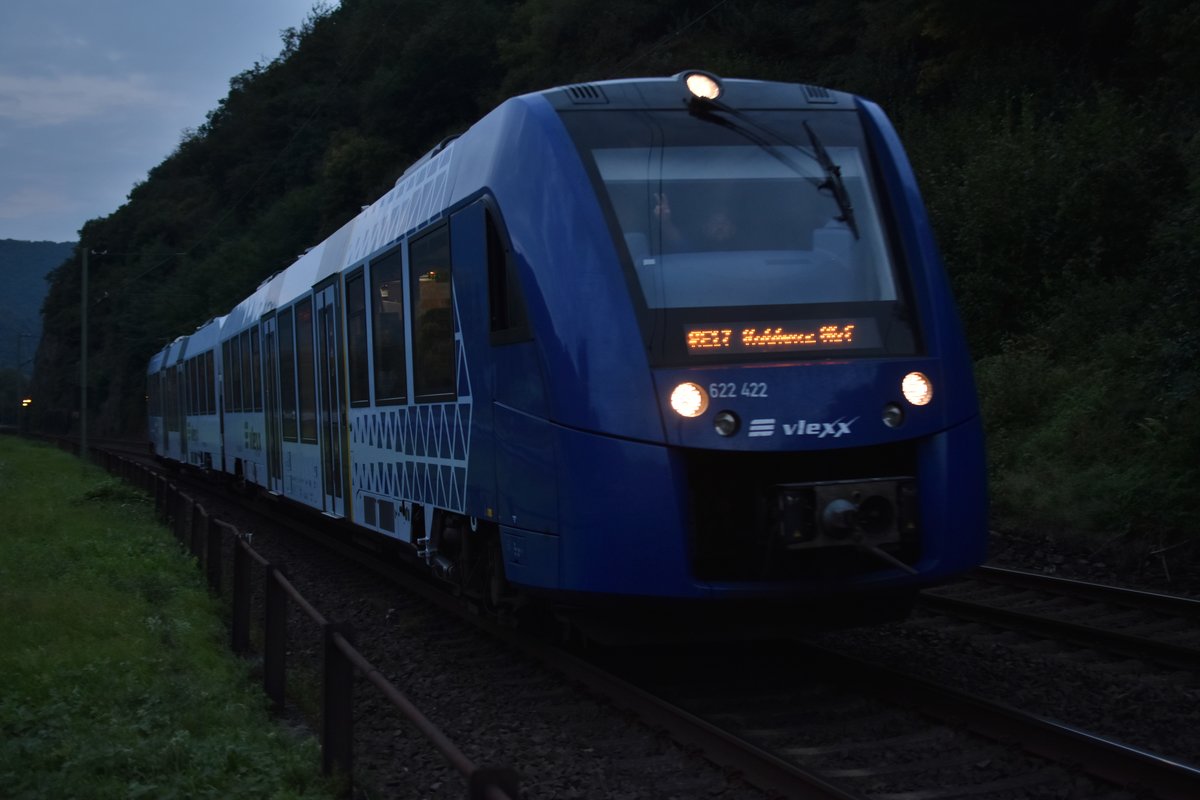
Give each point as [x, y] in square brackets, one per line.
[94, 93]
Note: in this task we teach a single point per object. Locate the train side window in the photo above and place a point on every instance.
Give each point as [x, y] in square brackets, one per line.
[387, 317]
[227, 371]
[306, 372]
[235, 352]
[509, 322]
[255, 371]
[247, 384]
[189, 389]
[172, 400]
[287, 376]
[201, 386]
[356, 340]
[432, 316]
[199, 390]
[211, 379]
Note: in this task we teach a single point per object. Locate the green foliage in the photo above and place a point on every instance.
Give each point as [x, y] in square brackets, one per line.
[1033, 206]
[115, 492]
[1055, 144]
[117, 681]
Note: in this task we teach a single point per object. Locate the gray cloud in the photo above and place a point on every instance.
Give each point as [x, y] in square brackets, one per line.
[40, 101]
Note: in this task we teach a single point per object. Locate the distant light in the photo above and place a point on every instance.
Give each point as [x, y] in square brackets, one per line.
[27, 402]
[689, 400]
[917, 389]
[703, 85]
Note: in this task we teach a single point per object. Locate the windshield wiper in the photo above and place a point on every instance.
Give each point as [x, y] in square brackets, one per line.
[833, 181]
[705, 113]
[833, 173]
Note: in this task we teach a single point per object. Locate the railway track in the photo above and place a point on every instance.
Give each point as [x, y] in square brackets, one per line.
[867, 730]
[1163, 629]
[799, 721]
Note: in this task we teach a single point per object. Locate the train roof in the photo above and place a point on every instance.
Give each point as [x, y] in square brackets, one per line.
[205, 337]
[672, 93]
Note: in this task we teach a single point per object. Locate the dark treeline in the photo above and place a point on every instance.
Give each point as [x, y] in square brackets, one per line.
[1056, 144]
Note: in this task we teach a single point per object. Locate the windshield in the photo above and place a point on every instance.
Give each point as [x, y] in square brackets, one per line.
[730, 218]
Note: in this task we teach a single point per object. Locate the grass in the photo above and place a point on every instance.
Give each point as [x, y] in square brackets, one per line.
[115, 680]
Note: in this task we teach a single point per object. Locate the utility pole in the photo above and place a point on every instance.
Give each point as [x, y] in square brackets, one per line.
[83, 358]
[20, 395]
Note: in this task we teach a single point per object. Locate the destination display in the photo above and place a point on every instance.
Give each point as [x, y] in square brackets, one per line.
[782, 336]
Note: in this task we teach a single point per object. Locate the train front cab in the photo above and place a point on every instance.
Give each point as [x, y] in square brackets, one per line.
[791, 463]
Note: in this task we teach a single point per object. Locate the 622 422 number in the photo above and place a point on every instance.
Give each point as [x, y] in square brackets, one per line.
[752, 389]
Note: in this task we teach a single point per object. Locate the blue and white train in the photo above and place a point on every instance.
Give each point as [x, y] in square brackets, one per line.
[682, 339]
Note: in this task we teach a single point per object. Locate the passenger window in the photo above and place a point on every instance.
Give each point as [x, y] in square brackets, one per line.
[387, 308]
[190, 391]
[306, 372]
[227, 371]
[211, 381]
[356, 344]
[255, 371]
[247, 372]
[235, 390]
[173, 398]
[432, 316]
[287, 376]
[201, 386]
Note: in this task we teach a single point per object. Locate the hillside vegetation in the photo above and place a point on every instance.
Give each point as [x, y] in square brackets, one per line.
[1056, 144]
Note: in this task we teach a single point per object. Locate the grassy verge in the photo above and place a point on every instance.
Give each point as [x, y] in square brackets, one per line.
[115, 680]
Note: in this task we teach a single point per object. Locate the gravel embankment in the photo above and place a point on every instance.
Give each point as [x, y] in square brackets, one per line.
[498, 706]
[506, 711]
[1123, 699]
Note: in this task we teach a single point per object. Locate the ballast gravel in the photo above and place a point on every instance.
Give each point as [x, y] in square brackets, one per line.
[506, 711]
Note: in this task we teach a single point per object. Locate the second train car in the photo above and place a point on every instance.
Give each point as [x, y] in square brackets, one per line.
[676, 340]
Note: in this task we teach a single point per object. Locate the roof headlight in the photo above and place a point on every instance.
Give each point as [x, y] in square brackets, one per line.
[917, 388]
[702, 85]
[689, 400]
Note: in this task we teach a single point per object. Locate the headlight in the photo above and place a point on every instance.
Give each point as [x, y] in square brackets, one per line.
[917, 389]
[689, 400]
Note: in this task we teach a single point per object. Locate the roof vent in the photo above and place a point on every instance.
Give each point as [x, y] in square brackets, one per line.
[586, 94]
[818, 94]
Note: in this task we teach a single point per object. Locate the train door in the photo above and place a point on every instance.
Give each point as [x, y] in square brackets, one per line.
[331, 406]
[274, 430]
